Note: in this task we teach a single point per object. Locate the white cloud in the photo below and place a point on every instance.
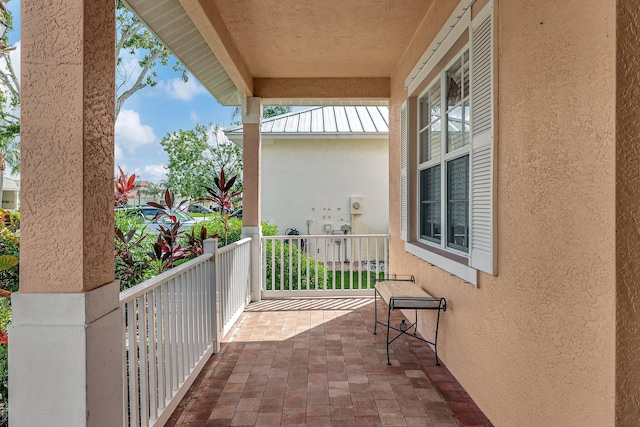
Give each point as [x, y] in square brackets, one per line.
[118, 154]
[130, 133]
[154, 173]
[178, 89]
[193, 116]
[127, 71]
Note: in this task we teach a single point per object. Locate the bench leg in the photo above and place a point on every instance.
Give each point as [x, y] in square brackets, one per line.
[375, 311]
[388, 329]
[435, 341]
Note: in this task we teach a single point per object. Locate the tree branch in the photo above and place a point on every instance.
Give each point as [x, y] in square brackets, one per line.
[139, 84]
[15, 89]
[126, 35]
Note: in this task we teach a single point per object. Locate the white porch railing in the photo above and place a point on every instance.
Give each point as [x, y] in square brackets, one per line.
[323, 265]
[233, 268]
[173, 324]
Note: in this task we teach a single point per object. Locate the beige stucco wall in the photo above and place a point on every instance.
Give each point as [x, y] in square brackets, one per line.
[314, 179]
[628, 214]
[535, 345]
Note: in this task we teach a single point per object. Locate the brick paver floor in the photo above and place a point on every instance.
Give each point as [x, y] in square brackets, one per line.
[317, 363]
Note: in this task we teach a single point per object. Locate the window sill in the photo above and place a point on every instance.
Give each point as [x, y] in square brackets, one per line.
[449, 264]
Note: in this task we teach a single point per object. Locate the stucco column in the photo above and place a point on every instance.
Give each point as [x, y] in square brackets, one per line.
[627, 214]
[66, 347]
[251, 148]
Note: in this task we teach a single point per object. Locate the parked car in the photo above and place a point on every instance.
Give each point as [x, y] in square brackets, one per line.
[199, 209]
[154, 217]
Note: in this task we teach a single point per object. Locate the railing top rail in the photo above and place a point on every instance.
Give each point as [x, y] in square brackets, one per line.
[325, 236]
[148, 285]
[234, 245]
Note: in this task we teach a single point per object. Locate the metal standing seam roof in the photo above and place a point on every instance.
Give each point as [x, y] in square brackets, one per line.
[336, 120]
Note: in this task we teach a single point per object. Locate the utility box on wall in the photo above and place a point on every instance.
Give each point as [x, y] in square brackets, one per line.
[356, 206]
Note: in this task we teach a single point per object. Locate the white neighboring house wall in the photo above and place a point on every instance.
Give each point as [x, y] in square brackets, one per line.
[11, 194]
[309, 184]
[313, 169]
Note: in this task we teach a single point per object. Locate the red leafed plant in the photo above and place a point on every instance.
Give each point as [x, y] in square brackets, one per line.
[166, 249]
[224, 195]
[123, 187]
[195, 243]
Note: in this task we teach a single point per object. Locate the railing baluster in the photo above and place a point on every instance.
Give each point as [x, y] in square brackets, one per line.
[132, 356]
[160, 313]
[273, 265]
[153, 384]
[188, 276]
[144, 361]
[175, 340]
[182, 357]
[315, 258]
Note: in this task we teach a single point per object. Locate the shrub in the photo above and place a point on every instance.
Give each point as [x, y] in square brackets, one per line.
[216, 226]
[132, 264]
[10, 245]
[291, 262]
[269, 229]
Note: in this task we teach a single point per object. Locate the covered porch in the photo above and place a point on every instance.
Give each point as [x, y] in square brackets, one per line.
[316, 362]
[542, 272]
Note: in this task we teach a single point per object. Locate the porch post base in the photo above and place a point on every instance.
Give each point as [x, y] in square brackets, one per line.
[66, 357]
[256, 261]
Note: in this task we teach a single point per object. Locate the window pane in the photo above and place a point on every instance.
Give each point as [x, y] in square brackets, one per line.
[458, 203]
[466, 122]
[435, 97]
[424, 110]
[430, 222]
[454, 88]
[455, 129]
[424, 145]
[465, 74]
[434, 132]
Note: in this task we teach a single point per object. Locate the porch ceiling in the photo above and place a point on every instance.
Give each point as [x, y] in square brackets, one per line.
[342, 49]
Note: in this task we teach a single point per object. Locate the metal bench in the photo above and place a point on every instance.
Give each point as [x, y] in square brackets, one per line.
[400, 292]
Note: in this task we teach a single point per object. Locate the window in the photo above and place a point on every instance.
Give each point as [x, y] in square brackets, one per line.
[448, 163]
[451, 155]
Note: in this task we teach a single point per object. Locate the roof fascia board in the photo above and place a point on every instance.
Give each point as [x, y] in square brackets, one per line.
[358, 88]
[319, 135]
[208, 20]
[236, 138]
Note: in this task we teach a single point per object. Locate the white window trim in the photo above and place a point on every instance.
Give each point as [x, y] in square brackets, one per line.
[466, 273]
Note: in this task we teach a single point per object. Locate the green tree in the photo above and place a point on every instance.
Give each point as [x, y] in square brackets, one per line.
[196, 156]
[9, 106]
[153, 190]
[267, 111]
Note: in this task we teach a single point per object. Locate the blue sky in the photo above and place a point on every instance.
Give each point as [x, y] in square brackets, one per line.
[147, 116]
